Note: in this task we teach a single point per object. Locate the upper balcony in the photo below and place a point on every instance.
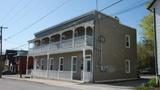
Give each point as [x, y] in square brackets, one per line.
[66, 41]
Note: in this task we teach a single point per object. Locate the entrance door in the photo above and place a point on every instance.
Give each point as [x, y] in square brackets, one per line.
[87, 70]
[74, 67]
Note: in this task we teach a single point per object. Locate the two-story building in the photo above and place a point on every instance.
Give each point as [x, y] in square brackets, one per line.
[92, 47]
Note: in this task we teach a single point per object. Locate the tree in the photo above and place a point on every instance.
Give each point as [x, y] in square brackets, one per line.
[2, 58]
[146, 47]
[147, 26]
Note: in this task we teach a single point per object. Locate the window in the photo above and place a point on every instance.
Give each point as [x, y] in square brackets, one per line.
[61, 62]
[127, 66]
[43, 64]
[127, 41]
[51, 64]
[88, 63]
[74, 63]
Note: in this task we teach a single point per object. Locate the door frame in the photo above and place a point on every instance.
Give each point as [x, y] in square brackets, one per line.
[90, 62]
[87, 76]
[72, 72]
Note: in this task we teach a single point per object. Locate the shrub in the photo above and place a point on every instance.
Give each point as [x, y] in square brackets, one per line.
[151, 83]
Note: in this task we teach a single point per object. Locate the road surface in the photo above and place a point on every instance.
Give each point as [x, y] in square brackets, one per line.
[9, 84]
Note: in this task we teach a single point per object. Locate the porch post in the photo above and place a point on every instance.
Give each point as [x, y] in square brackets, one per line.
[58, 67]
[73, 36]
[35, 63]
[60, 44]
[84, 66]
[85, 37]
[47, 65]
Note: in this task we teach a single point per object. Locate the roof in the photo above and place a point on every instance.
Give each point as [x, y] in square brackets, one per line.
[151, 5]
[63, 25]
[16, 52]
[22, 53]
[66, 24]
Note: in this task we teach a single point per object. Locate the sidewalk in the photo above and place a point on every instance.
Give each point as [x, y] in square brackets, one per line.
[70, 84]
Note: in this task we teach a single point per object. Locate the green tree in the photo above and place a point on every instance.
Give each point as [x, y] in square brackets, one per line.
[147, 26]
[145, 48]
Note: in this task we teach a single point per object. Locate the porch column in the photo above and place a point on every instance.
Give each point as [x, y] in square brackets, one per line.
[60, 44]
[73, 36]
[84, 66]
[35, 63]
[48, 65]
[85, 37]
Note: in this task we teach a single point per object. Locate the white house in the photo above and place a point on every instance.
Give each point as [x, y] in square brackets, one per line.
[155, 8]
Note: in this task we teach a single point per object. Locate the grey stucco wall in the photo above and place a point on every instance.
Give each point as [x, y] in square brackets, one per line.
[114, 52]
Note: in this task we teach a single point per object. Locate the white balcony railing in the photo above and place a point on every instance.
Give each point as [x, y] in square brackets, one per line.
[52, 74]
[79, 42]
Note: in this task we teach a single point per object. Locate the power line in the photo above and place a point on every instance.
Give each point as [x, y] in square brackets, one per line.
[111, 5]
[38, 20]
[12, 9]
[23, 15]
[18, 12]
[20, 46]
[129, 9]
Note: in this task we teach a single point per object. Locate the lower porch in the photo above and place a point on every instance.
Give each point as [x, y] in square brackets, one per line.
[64, 66]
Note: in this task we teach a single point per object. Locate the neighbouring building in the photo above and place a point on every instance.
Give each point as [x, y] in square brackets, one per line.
[92, 47]
[10, 62]
[15, 62]
[155, 8]
[21, 59]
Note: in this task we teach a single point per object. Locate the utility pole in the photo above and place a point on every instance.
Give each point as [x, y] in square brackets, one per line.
[1, 56]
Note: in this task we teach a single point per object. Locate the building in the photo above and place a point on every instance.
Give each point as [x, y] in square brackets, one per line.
[155, 8]
[93, 47]
[15, 62]
[10, 62]
[21, 59]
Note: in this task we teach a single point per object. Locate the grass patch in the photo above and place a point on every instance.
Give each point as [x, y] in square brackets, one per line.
[151, 85]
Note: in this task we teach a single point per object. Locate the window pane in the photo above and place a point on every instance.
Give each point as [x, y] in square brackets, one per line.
[61, 67]
[127, 66]
[74, 68]
[61, 61]
[88, 66]
[127, 41]
[74, 60]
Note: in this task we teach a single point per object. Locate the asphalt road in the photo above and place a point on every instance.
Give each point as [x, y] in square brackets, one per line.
[8, 84]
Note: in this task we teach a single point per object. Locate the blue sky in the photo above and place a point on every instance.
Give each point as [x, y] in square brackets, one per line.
[19, 14]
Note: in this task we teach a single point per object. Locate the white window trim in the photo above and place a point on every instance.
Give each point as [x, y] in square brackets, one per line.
[61, 64]
[129, 41]
[74, 64]
[51, 63]
[43, 64]
[129, 66]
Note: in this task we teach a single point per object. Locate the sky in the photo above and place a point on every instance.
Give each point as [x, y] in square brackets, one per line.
[18, 15]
